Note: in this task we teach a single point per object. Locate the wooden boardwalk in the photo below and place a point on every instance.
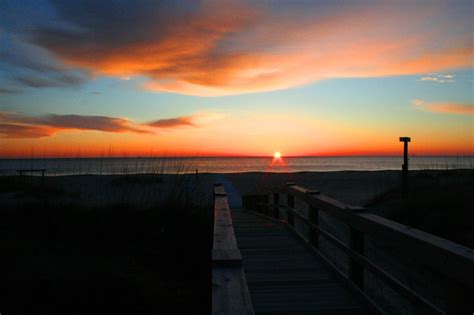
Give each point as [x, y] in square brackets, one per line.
[327, 257]
[283, 275]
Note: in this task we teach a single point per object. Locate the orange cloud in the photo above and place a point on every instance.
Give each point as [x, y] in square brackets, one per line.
[172, 122]
[18, 126]
[25, 131]
[221, 48]
[446, 108]
[195, 120]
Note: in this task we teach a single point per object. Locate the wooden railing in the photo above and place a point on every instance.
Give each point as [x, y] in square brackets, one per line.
[397, 269]
[21, 172]
[230, 294]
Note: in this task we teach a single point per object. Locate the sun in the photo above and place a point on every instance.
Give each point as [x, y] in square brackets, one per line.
[277, 155]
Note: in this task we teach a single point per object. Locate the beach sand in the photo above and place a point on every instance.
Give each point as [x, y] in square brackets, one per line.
[379, 191]
[353, 188]
[356, 188]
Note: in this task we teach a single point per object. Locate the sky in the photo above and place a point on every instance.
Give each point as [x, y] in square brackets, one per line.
[235, 78]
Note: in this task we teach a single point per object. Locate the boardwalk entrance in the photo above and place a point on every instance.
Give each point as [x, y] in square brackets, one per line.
[283, 276]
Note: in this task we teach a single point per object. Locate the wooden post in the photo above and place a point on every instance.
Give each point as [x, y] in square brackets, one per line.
[289, 214]
[291, 201]
[356, 271]
[405, 141]
[276, 205]
[314, 219]
[265, 202]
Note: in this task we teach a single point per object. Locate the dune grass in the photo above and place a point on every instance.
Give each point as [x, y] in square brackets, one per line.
[439, 202]
[128, 244]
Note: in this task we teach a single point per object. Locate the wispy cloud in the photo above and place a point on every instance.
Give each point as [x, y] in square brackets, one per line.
[14, 125]
[61, 80]
[195, 120]
[172, 122]
[445, 108]
[80, 122]
[438, 78]
[28, 65]
[6, 90]
[230, 47]
[20, 126]
[25, 131]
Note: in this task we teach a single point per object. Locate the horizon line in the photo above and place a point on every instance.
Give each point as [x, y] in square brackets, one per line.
[232, 156]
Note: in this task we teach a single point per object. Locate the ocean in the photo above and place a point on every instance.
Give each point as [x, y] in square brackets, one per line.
[180, 165]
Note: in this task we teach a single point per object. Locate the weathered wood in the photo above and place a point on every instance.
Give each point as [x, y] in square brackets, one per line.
[360, 260]
[230, 294]
[224, 238]
[229, 257]
[219, 190]
[445, 260]
[31, 170]
[41, 170]
[283, 275]
[431, 250]
[405, 141]
[450, 259]
[356, 271]
[302, 190]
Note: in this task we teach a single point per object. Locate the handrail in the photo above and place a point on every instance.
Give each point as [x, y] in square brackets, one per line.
[230, 293]
[32, 170]
[445, 258]
[448, 254]
[41, 170]
[360, 259]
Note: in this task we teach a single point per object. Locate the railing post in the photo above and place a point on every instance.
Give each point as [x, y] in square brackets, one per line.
[290, 202]
[356, 271]
[265, 204]
[314, 219]
[276, 205]
[253, 203]
[405, 141]
[356, 243]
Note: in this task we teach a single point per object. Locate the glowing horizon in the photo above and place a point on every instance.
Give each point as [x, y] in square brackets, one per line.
[235, 78]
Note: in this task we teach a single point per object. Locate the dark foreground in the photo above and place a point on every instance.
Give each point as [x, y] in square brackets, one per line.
[110, 259]
[141, 244]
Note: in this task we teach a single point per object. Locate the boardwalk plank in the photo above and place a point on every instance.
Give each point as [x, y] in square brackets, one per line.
[283, 276]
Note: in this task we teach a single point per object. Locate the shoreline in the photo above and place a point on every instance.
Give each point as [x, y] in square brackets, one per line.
[14, 172]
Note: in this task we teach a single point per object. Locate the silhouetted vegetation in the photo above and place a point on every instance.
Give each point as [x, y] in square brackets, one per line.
[63, 253]
[438, 202]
